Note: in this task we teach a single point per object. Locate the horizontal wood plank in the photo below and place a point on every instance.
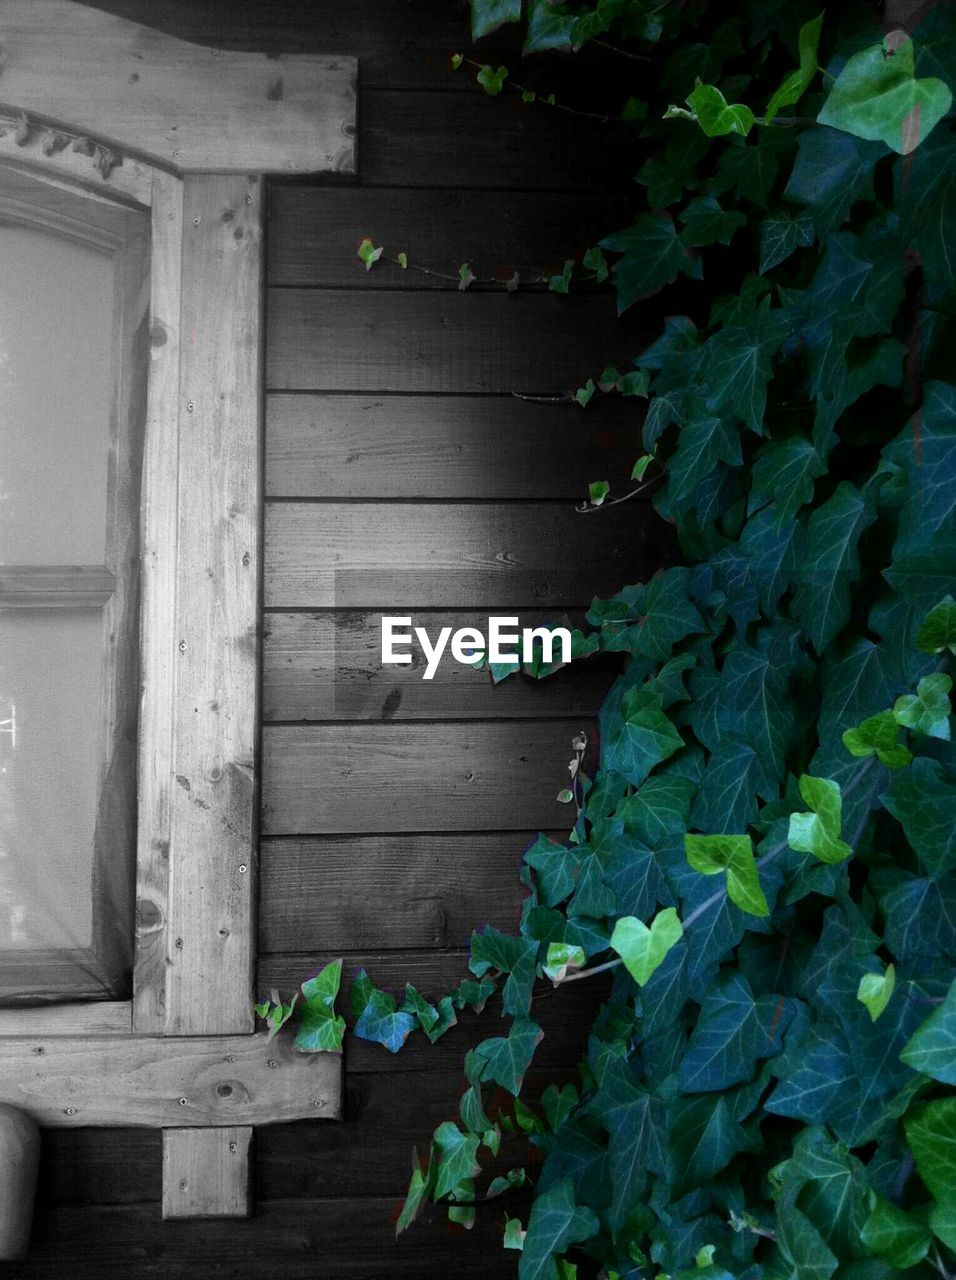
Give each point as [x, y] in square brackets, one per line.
[348, 1238]
[406, 556]
[338, 340]
[314, 892]
[167, 1082]
[565, 1015]
[440, 139]
[326, 779]
[358, 446]
[313, 232]
[328, 666]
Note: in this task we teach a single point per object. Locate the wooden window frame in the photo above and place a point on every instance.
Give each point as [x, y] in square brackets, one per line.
[185, 133]
[34, 199]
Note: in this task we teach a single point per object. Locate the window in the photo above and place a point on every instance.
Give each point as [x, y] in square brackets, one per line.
[73, 353]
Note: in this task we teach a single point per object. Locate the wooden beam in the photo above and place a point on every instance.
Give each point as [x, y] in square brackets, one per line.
[159, 623]
[167, 1082]
[96, 1018]
[55, 586]
[206, 1173]
[193, 108]
[210, 937]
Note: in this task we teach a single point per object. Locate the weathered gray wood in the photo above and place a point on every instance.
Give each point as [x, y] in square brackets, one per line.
[97, 1018]
[212, 885]
[167, 1082]
[406, 556]
[191, 107]
[159, 621]
[312, 234]
[206, 1173]
[415, 777]
[388, 446]
[55, 586]
[437, 887]
[329, 340]
[353, 1238]
[328, 666]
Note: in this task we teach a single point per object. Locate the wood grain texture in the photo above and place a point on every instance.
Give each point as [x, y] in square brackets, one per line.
[130, 180]
[206, 1173]
[185, 105]
[312, 231]
[55, 586]
[465, 140]
[328, 666]
[212, 883]
[313, 892]
[158, 621]
[393, 446]
[348, 1238]
[167, 1082]
[98, 1018]
[407, 556]
[324, 779]
[332, 340]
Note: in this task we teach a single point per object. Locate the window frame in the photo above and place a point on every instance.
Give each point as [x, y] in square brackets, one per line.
[33, 198]
[182, 142]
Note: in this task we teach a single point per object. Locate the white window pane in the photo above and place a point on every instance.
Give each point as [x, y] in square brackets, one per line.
[50, 736]
[56, 321]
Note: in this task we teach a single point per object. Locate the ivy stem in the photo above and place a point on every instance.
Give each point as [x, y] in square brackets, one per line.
[624, 53]
[560, 106]
[585, 509]
[939, 1264]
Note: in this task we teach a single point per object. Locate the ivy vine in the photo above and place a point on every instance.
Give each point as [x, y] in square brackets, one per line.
[763, 865]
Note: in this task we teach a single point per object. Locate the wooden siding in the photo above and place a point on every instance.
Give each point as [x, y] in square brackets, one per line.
[395, 450]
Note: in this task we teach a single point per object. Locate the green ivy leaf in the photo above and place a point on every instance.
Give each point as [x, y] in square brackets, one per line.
[877, 96]
[562, 283]
[556, 1223]
[594, 260]
[505, 1059]
[369, 254]
[713, 113]
[489, 15]
[832, 563]
[378, 1018]
[928, 709]
[274, 1013]
[705, 222]
[734, 855]
[562, 958]
[733, 1033]
[875, 991]
[931, 1133]
[653, 257]
[818, 832]
[320, 1028]
[641, 738]
[458, 1157]
[419, 1192]
[798, 82]
[403, 260]
[878, 735]
[492, 81]
[784, 472]
[781, 234]
[895, 1235]
[641, 465]
[938, 631]
[644, 949]
[584, 394]
[832, 172]
[923, 800]
[456, 60]
[932, 1047]
[598, 491]
[514, 1233]
[466, 277]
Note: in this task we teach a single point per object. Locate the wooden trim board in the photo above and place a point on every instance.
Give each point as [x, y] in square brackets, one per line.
[167, 1082]
[191, 108]
[206, 1173]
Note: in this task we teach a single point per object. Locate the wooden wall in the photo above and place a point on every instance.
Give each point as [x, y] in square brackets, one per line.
[402, 475]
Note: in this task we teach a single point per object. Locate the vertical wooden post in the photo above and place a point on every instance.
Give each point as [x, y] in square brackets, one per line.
[206, 1173]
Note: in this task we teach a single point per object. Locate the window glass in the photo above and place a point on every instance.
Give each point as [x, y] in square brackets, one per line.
[56, 305]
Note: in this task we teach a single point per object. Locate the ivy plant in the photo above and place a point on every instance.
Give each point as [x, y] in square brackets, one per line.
[760, 882]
